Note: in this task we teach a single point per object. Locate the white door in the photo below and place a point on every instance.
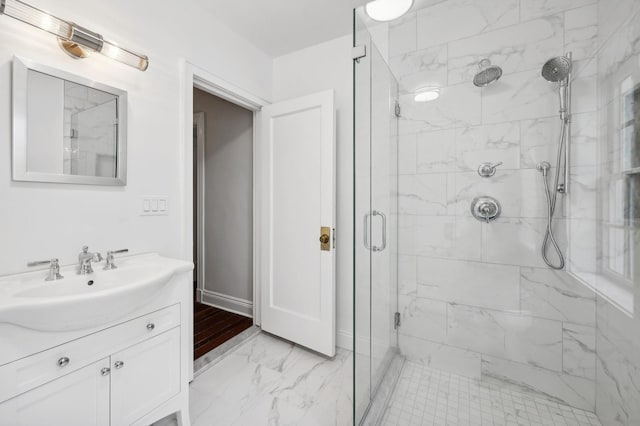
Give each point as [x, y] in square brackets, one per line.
[144, 376]
[297, 198]
[80, 398]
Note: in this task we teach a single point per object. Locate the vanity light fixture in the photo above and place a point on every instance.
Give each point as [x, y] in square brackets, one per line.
[75, 40]
[427, 94]
[387, 10]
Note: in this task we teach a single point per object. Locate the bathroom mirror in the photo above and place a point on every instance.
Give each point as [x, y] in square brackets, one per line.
[66, 128]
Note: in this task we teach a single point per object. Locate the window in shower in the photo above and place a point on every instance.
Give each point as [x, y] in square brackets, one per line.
[623, 215]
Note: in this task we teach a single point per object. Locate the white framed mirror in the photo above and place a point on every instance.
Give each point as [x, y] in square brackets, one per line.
[67, 128]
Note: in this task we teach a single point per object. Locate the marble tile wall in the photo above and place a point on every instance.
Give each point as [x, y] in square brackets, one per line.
[90, 114]
[617, 338]
[476, 298]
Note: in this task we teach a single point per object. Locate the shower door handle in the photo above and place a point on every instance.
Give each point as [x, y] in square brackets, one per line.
[365, 231]
[384, 231]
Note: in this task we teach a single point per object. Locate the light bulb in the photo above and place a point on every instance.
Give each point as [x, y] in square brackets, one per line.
[427, 94]
[387, 10]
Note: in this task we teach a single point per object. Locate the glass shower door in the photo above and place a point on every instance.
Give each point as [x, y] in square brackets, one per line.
[362, 227]
[375, 221]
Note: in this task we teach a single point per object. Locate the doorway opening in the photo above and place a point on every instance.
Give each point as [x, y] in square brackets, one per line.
[222, 220]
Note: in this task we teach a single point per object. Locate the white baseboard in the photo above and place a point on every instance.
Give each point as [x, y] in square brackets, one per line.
[344, 340]
[228, 303]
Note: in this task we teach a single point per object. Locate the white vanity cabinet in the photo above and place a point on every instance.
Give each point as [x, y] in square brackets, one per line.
[116, 390]
[144, 376]
[132, 371]
[85, 393]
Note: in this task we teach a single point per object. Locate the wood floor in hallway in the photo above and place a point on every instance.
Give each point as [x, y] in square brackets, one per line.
[213, 327]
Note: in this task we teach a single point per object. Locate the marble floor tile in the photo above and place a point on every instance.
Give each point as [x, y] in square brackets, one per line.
[426, 396]
[268, 381]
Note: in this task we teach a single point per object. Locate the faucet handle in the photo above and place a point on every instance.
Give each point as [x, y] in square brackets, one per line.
[109, 262]
[54, 268]
[42, 262]
[488, 169]
[117, 251]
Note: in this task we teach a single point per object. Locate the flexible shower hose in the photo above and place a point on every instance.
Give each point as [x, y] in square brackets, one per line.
[551, 207]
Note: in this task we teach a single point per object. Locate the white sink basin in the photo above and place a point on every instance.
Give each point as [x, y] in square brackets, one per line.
[82, 301]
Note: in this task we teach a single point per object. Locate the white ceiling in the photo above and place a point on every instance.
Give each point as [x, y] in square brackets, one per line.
[281, 26]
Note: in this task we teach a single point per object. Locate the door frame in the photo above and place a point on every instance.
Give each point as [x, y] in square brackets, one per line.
[197, 77]
[199, 125]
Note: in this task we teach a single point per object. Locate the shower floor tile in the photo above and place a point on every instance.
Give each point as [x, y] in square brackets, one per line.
[424, 396]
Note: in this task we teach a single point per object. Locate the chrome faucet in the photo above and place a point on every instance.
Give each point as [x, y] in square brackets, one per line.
[54, 268]
[110, 262]
[85, 259]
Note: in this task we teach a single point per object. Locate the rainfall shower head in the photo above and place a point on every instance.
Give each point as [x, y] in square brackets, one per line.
[557, 69]
[488, 74]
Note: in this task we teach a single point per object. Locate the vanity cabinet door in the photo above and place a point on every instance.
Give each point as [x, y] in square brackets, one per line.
[144, 376]
[80, 398]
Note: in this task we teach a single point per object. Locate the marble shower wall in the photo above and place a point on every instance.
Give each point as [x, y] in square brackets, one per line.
[476, 299]
[89, 132]
[618, 333]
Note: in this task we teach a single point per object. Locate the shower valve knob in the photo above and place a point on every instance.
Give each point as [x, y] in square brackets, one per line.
[488, 169]
[485, 209]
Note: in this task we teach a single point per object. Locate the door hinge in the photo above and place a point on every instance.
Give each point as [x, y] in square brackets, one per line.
[397, 109]
[334, 238]
[359, 52]
[396, 320]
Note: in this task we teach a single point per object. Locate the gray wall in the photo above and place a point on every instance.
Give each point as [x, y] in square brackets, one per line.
[228, 201]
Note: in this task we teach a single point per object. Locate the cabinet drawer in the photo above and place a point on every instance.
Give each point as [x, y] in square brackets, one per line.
[27, 373]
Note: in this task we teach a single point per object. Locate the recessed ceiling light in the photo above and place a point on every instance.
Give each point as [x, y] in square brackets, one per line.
[387, 10]
[427, 94]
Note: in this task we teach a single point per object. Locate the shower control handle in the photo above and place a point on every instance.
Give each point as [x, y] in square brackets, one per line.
[485, 209]
[488, 169]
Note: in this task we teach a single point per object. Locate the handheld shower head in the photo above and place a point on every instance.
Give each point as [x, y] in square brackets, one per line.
[557, 69]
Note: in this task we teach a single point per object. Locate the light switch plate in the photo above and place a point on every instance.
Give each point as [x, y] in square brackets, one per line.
[154, 206]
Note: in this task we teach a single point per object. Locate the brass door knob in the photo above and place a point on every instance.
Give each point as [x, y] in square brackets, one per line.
[324, 239]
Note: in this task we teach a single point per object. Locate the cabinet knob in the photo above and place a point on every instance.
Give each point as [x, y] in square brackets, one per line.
[105, 371]
[119, 364]
[151, 326]
[63, 361]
